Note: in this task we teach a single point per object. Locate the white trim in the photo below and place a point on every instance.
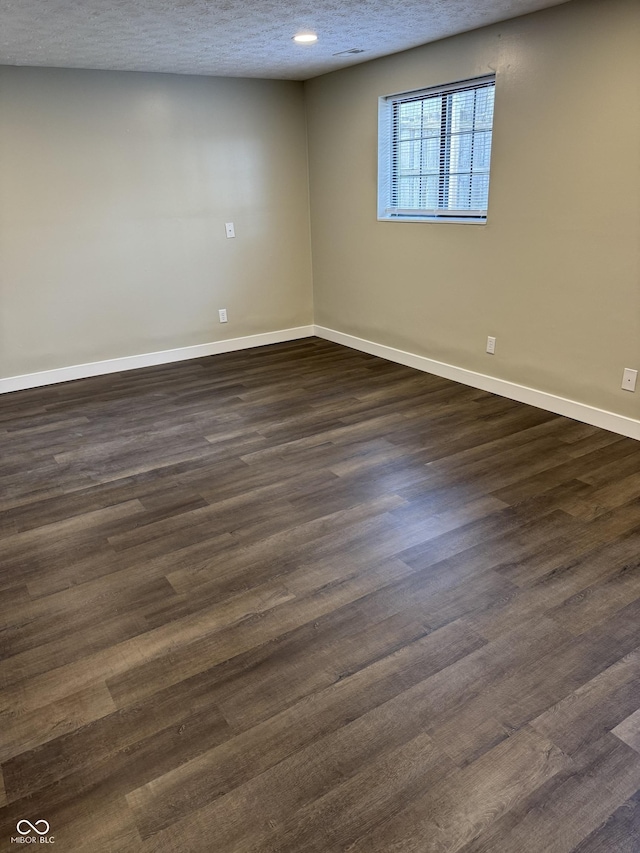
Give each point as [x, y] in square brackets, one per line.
[458, 86]
[541, 399]
[550, 402]
[133, 362]
[450, 220]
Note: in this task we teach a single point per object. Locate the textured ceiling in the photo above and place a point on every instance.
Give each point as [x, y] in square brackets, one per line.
[241, 38]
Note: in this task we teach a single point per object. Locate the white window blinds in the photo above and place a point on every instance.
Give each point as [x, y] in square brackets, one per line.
[435, 152]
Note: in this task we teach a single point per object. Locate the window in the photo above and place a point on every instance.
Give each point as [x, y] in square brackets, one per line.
[434, 152]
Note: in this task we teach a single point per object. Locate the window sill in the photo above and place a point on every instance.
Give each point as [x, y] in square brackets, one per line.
[446, 220]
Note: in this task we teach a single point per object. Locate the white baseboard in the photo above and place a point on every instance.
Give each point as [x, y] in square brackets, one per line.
[542, 400]
[132, 362]
[523, 394]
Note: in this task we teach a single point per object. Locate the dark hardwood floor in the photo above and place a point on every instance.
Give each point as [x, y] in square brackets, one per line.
[302, 600]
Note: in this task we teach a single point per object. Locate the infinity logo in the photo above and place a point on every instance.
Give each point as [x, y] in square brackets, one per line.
[32, 827]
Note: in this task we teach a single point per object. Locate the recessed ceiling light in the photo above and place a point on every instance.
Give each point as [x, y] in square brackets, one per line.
[305, 38]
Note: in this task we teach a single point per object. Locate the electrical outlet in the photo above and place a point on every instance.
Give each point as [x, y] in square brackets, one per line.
[629, 378]
[229, 229]
[222, 313]
[491, 345]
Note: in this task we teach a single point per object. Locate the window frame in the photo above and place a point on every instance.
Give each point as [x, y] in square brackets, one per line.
[388, 154]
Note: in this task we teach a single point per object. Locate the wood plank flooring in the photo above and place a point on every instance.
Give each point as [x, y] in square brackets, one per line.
[302, 600]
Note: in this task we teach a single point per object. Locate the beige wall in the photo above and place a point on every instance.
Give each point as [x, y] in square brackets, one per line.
[555, 274]
[114, 191]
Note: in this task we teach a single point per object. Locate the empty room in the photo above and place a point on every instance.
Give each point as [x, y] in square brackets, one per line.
[319, 426]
